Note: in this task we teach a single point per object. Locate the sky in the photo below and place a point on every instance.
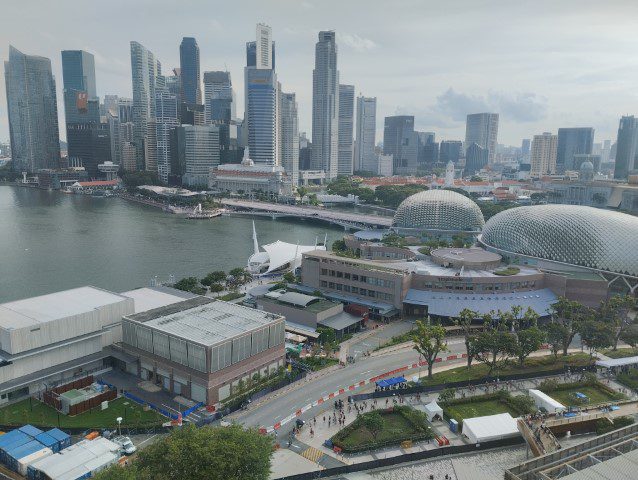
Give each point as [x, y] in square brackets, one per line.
[540, 64]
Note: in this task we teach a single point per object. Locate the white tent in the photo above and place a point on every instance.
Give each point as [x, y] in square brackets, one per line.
[491, 427]
[432, 409]
[543, 400]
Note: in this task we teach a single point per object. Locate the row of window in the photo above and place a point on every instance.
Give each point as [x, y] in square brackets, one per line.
[364, 292]
[380, 282]
[479, 287]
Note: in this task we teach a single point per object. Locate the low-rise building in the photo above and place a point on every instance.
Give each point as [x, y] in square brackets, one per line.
[62, 178]
[202, 348]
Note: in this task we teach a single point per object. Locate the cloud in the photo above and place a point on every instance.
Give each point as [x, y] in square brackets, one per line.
[355, 42]
[519, 107]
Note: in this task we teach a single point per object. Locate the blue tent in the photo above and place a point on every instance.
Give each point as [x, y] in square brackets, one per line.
[389, 382]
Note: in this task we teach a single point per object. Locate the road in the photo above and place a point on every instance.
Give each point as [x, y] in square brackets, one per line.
[278, 408]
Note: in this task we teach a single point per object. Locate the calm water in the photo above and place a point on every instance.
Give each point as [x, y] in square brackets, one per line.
[51, 241]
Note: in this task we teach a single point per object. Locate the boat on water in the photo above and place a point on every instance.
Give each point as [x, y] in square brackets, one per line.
[278, 257]
[199, 214]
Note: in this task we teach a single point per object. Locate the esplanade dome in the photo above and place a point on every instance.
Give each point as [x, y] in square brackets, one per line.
[439, 210]
[588, 237]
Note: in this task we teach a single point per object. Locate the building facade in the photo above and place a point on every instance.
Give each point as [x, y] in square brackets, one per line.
[346, 126]
[33, 112]
[572, 141]
[166, 119]
[195, 151]
[482, 129]
[289, 135]
[476, 157]
[450, 151]
[543, 155]
[364, 157]
[626, 147]
[325, 106]
[402, 142]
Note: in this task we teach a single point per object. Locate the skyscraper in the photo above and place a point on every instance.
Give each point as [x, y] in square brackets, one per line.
[402, 142]
[525, 147]
[346, 125]
[88, 140]
[194, 151]
[476, 157]
[219, 98]
[191, 91]
[365, 158]
[626, 147]
[33, 112]
[264, 38]
[572, 141]
[482, 129]
[145, 70]
[450, 151]
[325, 106]
[289, 135]
[543, 155]
[427, 151]
[166, 119]
[261, 104]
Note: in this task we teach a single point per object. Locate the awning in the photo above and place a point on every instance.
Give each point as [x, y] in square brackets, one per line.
[280, 253]
[381, 308]
[301, 330]
[340, 321]
[617, 362]
[389, 382]
[450, 304]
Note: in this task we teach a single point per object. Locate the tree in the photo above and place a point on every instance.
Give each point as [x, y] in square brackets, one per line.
[216, 288]
[237, 277]
[289, 277]
[429, 340]
[596, 335]
[617, 313]
[374, 423]
[339, 246]
[538, 197]
[214, 277]
[302, 192]
[555, 332]
[464, 322]
[492, 347]
[187, 284]
[446, 395]
[213, 453]
[630, 336]
[527, 341]
[570, 314]
[117, 472]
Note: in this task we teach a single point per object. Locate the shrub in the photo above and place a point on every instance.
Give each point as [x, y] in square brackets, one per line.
[603, 425]
[549, 385]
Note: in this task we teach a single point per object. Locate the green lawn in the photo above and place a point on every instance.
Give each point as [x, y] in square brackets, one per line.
[231, 296]
[478, 409]
[621, 353]
[596, 395]
[532, 365]
[629, 379]
[319, 363]
[393, 422]
[40, 414]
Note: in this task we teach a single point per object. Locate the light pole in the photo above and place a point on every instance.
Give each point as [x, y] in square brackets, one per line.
[119, 425]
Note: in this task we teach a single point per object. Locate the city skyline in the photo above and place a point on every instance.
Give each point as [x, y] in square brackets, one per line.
[532, 91]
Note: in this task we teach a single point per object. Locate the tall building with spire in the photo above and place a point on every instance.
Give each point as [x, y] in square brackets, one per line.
[33, 112]
[325, 106]
[364, 158]
[145, 69]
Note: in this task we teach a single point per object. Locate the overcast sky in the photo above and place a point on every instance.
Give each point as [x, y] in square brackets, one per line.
[541, 64]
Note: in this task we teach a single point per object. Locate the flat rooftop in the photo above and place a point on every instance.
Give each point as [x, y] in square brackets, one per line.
[149, 298]
[53, 306]
[477, 255]
[204, 320]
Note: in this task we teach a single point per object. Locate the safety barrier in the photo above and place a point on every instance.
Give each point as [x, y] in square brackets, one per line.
[143, 402]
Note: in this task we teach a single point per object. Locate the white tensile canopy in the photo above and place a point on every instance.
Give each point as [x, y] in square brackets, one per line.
[543, 400]
[491, 427]
[282, 253]
[432, 409]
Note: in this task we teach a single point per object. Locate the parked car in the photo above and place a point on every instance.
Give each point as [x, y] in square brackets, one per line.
[126, 445]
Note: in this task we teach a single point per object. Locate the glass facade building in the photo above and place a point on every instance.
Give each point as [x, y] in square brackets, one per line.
[32, 111]
[568, 234]
[572, 141]
[439, 210]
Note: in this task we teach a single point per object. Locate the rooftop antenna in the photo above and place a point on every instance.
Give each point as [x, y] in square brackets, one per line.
[255, 243]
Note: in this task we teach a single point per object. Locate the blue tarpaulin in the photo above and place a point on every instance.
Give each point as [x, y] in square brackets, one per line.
[580, 395]
[389, 382]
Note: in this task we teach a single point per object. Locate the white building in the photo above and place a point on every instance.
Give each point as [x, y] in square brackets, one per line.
[384, 165]
[543, 155]
[365, 158]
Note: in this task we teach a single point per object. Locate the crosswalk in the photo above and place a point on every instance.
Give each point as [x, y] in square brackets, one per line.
[313, 454]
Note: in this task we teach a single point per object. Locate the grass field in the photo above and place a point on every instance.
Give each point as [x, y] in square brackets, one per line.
[40, 414]
[621, 353]
[479, 409]
[393, 423]
[629, 379]
[596, 396]
[532, 365]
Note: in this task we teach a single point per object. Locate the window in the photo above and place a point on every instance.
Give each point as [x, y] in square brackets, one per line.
[346, 288]
[355, 289]
[339, 274]
[324, 283]
[331, 285]
[339, 287]
[363, 278]
[355, 277]
[324, 271]
[332, 273]
[371, 293]
[346, 276]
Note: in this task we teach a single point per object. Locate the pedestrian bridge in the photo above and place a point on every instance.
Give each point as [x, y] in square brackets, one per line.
[355, 221]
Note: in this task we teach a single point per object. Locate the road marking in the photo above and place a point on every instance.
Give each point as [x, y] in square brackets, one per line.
[312, 454]
[144, 441]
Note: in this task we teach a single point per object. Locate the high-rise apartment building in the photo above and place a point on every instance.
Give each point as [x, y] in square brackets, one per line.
[402, 142]
[543, 155]
[346, 126]
[145, 69]
[482, 129]
[325, 106]
[572, 141]
[289, 135]
[451, 151]
[365, 158]
[33, 112]
[166, 119]
[89, 142]
[626, 147]
[261, 101]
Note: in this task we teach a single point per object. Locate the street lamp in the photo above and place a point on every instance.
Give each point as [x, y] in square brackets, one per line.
[119, 425]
